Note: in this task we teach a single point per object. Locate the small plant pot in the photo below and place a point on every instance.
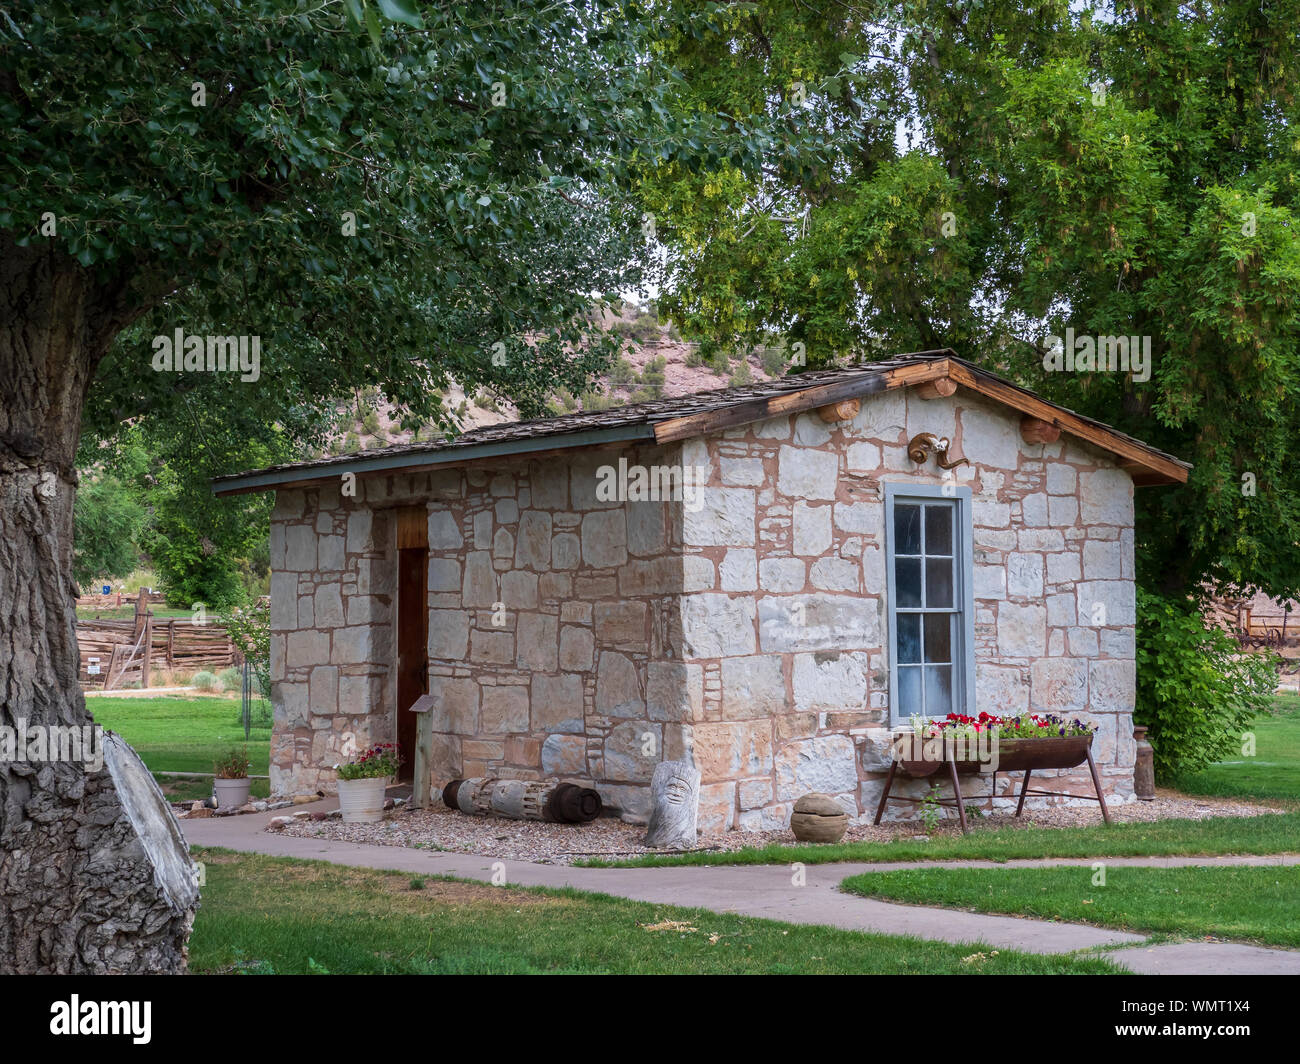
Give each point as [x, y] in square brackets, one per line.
[362, 801]
[231, 794]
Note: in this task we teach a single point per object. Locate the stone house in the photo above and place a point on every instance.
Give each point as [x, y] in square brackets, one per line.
[761, 579]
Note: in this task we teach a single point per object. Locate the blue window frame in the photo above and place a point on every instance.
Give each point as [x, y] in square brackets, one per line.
[930, 588]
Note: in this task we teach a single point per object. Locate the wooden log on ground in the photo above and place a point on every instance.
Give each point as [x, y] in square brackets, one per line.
[559, 803]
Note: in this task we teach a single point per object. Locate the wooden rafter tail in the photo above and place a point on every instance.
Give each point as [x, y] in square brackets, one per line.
[844, 410]
[940, 388]
[1036, 430]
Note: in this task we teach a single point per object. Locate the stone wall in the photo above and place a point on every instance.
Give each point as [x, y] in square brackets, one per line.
[552, 627]
[332, 575]
[788, 646]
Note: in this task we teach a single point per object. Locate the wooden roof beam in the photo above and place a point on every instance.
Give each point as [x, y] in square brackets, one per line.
[729, 417]
[1158, 469]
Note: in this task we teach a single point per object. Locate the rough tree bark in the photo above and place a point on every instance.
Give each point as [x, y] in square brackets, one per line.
[78, 891]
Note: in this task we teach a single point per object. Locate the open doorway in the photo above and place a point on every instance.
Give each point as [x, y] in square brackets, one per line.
[412, 626]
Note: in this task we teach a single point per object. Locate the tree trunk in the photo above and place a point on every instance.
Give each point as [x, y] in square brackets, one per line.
[82, 889]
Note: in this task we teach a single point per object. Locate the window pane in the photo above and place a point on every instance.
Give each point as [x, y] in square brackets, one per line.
[938, 529]
[907, 581]
[938, 637]
[909, 637]
[938, 582]
[938, 690]
[909, 692]
[907, 529]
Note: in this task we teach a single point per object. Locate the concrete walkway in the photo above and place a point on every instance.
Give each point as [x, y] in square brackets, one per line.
[769, 891]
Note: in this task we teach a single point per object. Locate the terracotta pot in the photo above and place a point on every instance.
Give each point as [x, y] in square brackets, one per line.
[362, 801]
[231, 794]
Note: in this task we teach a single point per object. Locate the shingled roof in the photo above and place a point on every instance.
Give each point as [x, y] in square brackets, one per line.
[665, 420]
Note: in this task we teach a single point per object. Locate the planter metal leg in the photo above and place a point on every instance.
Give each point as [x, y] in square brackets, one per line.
[1024, 789]
[889, 782]
[956, 790]
[1096, 782]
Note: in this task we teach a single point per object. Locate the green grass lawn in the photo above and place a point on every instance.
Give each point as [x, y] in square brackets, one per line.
[184, 735]
[273, 915]
[1253, 904]
[1274, 771]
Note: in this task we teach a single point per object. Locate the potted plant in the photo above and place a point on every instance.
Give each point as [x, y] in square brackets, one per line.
[362, 783]
[963, 745]
[1009, 744]
[232, 784]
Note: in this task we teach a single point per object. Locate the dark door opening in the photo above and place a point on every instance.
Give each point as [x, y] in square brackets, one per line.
[412, 630]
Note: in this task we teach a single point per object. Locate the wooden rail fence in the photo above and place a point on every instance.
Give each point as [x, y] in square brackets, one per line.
[117, 653]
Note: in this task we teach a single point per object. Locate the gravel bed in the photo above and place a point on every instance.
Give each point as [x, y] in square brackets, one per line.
[527, 840]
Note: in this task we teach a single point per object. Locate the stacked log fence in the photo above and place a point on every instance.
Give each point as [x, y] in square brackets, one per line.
[119, 653]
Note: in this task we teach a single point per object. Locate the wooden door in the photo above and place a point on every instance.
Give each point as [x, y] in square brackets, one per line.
[412, 626]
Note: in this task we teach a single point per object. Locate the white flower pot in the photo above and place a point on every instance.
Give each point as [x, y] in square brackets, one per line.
[362, 801]
[231, 794]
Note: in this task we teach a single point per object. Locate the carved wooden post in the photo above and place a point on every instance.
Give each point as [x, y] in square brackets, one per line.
[422, 707]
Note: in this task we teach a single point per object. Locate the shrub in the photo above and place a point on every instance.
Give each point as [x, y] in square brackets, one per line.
[622, 372]
[233, 766]
[653, 376]
[231, 679]
[773, 360]
[596, 401]
[206, 681]
[249, 628]
[741, 375]
[1196, 690]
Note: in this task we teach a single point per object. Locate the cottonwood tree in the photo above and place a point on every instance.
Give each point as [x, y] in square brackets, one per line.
[995, 173]
[430, 195]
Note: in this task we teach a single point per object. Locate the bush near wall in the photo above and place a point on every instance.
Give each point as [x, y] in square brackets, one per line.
[1197, 691]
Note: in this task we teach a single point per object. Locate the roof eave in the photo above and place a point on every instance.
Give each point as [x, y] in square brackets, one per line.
[1146, 465]
[409, 462]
